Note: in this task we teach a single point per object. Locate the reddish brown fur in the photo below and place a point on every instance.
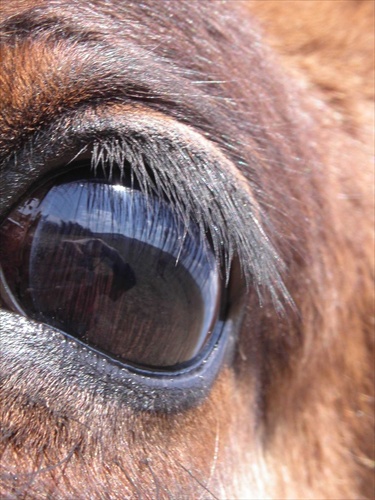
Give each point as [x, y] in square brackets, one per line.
[293, 416]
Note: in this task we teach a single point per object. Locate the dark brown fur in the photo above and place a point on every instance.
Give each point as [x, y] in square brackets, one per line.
[292, 416]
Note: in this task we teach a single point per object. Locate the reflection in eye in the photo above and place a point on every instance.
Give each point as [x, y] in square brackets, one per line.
[115, 269]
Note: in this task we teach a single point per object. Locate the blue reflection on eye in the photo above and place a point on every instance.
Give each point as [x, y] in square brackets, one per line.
[120, 271]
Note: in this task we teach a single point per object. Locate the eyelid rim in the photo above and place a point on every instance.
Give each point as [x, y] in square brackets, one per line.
[7, 296]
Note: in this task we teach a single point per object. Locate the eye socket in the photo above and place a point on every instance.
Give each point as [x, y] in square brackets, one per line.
[115, 269]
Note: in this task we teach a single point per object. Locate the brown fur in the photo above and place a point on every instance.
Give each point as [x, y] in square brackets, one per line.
[292, 416]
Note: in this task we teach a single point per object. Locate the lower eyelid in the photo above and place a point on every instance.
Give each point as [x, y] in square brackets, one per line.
[38, 352]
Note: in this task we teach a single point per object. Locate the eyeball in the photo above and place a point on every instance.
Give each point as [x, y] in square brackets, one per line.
[116, 269]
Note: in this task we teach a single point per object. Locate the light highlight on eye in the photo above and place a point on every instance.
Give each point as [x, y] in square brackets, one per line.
[115, 269]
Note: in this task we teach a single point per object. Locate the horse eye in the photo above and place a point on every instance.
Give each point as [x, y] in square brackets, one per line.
[114, 268]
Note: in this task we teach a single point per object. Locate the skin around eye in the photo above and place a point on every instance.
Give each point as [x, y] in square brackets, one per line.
[114, 268]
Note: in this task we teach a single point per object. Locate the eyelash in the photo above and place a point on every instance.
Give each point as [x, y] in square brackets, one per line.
[145, 173]
[178, 164]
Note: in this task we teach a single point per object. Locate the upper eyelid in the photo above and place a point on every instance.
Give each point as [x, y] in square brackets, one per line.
[219, 196]
[58, 65]
[189, 169]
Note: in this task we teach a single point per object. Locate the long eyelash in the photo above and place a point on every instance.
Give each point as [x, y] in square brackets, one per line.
[199, 191]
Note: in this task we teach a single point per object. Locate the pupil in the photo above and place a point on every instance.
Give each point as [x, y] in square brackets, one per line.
[114, 269]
